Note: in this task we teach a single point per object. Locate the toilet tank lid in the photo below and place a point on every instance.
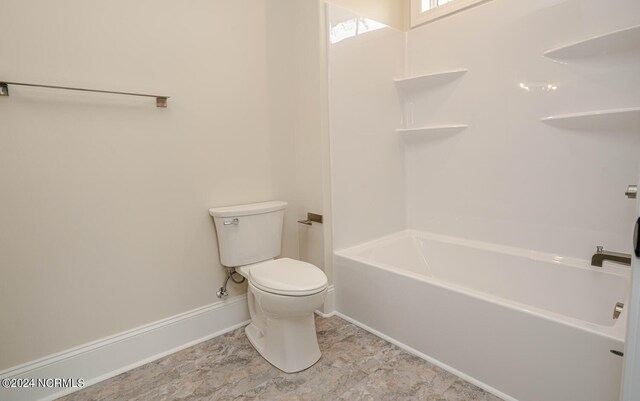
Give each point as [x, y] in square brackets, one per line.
[247, 210]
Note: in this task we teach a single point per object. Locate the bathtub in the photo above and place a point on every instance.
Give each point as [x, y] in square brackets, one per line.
[523, 325]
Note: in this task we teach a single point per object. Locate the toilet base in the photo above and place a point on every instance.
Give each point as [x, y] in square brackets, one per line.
[288, 340]
[289, 356]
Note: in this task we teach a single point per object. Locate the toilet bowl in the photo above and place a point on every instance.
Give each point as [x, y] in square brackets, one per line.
[282, 297]
[283, 294]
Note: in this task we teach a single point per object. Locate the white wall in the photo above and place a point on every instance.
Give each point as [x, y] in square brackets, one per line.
[104, 198]
[367, 159]
[510, 178]
[309, 77]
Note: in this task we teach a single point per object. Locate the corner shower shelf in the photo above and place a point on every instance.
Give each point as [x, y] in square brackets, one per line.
[627, 118]
[441, 129]
[624, 40]
[428, 81]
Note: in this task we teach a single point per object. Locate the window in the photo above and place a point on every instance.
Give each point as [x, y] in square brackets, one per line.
[423, 11]
[353, 27]
[429, 4]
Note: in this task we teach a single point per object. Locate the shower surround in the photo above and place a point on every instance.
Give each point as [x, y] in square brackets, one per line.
[477, 162]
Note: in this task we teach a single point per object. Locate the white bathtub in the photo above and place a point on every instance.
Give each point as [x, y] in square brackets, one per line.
[524, 325]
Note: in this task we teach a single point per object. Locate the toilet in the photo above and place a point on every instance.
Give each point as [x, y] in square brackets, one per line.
[283, 293]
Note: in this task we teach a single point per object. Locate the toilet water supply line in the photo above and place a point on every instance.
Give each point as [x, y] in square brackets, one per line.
[222, 292]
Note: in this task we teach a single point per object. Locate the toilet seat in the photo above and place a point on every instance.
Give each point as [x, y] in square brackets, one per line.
[286, 277]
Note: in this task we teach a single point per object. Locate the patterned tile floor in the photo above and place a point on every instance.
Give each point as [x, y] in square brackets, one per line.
[355, 365]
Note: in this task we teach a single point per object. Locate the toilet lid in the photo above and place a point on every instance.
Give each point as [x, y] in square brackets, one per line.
[288, 277]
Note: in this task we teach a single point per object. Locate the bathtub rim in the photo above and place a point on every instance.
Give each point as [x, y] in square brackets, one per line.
[615, 332]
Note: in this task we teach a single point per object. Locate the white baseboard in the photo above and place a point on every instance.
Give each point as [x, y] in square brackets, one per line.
[328, 308]
[111, 356]
[427, 358]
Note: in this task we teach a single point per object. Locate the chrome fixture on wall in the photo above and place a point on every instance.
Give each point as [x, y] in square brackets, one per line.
[311, 218]
[161, 101]
[617, 310]
[222, 292]
[632, 191]
[601, 255]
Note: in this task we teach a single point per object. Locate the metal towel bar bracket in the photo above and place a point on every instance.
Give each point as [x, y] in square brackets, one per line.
[311, 218]
[161, 101]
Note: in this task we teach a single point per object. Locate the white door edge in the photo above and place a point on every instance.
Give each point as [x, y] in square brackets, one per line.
[631, 375]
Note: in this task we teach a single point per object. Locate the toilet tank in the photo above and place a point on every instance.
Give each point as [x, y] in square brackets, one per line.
[249, 233]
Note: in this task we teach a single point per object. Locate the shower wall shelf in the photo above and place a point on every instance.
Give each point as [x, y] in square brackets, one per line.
[626, 118]
[428, 80]
[624, 40]
[441, 129]
[161, 100]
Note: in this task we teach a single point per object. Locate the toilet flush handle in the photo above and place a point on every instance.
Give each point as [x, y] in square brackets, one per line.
[233, 222]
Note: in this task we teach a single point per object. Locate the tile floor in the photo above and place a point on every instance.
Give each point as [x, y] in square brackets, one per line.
[355, 365]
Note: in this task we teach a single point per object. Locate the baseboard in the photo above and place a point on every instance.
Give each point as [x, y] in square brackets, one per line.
[328, 309]
[109, 357]
[427, 358]
[103, 359]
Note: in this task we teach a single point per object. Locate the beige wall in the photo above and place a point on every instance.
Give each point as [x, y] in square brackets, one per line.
[104, 224]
